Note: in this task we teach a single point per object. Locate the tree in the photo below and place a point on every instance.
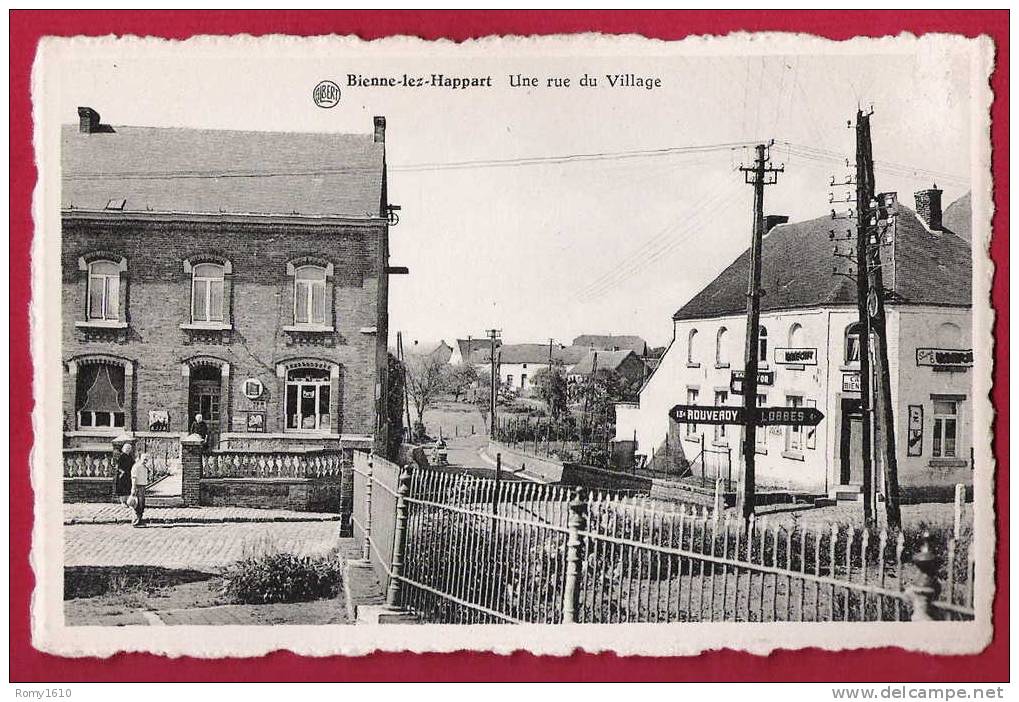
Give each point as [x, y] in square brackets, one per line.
[394, 408]
[427, 379]
[462, 377]
[551, 386]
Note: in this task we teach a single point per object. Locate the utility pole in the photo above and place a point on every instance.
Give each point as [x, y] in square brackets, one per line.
[864, 193]
[871, 221]
[493, 335]
[550, 353]
[406, 381]
[758, 175]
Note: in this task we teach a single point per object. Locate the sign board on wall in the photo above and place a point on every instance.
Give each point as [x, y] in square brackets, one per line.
[914, 439]
[945, 358]
[850, 382]
[796, 357]
[736, 383]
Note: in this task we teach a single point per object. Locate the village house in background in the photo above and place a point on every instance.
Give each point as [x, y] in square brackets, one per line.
[809, 357]
[259, 302]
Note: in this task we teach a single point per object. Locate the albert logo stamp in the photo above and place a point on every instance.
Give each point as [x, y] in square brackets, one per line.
[326, 94]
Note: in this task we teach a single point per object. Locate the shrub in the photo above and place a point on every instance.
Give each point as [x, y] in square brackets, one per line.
[283, 577]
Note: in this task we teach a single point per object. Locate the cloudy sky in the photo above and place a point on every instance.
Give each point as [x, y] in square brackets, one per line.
[606, 240]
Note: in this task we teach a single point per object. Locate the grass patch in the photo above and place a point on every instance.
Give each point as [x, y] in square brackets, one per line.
[283, 577]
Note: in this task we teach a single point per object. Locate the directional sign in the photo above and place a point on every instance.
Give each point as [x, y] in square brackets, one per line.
[766, 416]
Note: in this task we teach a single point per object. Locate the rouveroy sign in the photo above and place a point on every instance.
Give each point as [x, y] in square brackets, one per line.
[766, 416]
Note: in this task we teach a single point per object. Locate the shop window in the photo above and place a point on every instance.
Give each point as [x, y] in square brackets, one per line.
[100, 396]
[207, 293]
[104, 291]
[946, 428]
[307, 399]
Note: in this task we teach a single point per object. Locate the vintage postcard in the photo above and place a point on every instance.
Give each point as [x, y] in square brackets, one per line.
[521, 343]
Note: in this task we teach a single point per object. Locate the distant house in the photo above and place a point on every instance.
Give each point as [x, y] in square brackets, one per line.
[477, 352]
[625, 362]
[612, 342]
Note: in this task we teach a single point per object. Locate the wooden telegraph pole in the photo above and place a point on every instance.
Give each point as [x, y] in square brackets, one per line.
[758, 175]
[493, 335]
[884, 420]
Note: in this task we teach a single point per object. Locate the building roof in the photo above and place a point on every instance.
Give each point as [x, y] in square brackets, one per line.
[220, 171]
[922, 268]
[958, 217]
[607, 360]
[478, 351]
[611, 342]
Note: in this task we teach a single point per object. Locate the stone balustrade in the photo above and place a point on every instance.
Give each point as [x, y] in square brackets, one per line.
[89, 463]
[272, 464]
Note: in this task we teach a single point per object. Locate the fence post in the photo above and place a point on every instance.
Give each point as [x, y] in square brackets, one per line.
[717, 506]
[366, 553]
[924, 594]
[703, 462]
[575, 524]
[960, 498]
[498, 482]
[394, 594]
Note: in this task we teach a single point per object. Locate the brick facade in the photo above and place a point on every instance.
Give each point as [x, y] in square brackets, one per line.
[158, 353]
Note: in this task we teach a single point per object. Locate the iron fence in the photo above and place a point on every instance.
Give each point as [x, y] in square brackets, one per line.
[468, 550]
[376, 483]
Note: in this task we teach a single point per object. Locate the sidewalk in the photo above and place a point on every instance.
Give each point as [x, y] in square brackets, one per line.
[116, 513]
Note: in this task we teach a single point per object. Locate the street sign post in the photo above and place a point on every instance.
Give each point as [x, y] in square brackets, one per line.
[765, 416]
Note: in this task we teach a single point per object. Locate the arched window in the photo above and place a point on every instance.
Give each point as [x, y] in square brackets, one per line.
[795, 335]
[307, 399]
[949, 336]
[207, 293]
[852, 346]
[762, 344]
[310, 296]
[691, 344]
[100, 395]
[721, 350]
[104, 290]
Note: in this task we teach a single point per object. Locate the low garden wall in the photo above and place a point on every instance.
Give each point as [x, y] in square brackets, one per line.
[548, 469]
[298, 494]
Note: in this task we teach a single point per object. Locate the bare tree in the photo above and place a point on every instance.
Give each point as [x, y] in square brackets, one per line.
[462, 377]
[427, 379]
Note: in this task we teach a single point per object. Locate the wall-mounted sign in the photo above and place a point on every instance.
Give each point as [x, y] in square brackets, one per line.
[736, 382]
[766, 416]
[159, 420]
[253, 388]
[256, 422]
[796, 357]
[914, 438]
[850, 382]
[945, 358]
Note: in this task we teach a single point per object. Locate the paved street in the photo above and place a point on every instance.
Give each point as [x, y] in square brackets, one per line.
[204, 547]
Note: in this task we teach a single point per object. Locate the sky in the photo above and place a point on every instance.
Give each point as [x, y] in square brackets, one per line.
[607, 242]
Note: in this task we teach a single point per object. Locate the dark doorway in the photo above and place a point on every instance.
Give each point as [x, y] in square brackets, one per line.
[204, 398]
[852, 442]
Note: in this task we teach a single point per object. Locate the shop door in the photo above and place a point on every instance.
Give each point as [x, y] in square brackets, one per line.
[852, 443]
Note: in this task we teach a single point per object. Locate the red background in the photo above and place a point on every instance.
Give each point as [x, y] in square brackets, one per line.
[27, 664]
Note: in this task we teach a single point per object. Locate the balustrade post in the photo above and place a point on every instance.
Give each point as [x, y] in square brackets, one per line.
[394, 593]
[576, 523]
[924, 594]
[366, 546]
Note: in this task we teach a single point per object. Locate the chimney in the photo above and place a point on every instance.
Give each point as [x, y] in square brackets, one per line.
[772, 221]
[380, 130]
[88, 120]
[928, 206]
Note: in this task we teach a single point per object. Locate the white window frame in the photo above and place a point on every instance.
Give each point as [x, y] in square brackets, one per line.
[310, 284]
[761, 435]
[111, 291]
[938, 433]
[853, 330]
[206, 282]
[720, 429]
[299, 386]
[794, 434]
[762, 345]
[692, 395]
[690, 341]
[721, 355]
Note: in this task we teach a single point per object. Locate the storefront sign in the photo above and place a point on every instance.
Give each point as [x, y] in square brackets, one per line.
[736, 383]
[796, 357]
[850, 382]
[914, 439]
[945, 358]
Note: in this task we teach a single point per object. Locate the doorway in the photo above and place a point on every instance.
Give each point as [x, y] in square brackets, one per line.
[204, 398]
[852, 442]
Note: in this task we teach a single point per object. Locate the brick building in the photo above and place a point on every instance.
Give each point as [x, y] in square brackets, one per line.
[240, 275]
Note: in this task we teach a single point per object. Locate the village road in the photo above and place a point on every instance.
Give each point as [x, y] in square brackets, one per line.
[205, 547]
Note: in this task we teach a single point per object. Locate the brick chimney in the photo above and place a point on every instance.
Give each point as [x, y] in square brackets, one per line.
[88, 120]
[928, 206]
[380, 130]
[772, 221]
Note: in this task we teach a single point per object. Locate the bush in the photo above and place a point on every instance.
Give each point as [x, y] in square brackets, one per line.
[283, 577]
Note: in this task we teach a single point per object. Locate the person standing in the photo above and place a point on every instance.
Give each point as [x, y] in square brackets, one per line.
[122, 480]
[200, 427]
[139, 482]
